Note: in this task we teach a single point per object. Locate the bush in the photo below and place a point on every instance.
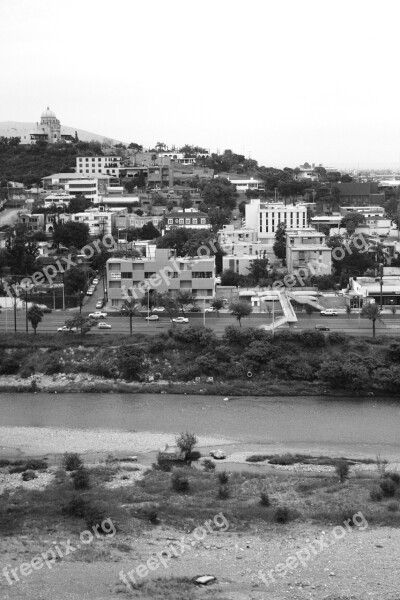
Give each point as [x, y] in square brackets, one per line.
[208, 465]
[193, 456]
[180, 483]
[223, 492]
[17, 469]
[36, 464]
[282, 514]
[388, 488]
[72, 461]
[81, 479]
[76, 507]
[257, 458]
[312, 338]
[152, 515]
[28, 475]
[342, 470]
[395, 477]
[186, 442]
[163, 463]
[94, 515]
[264, 499]
[393, 506]
[376, 494]
[337, 337]
[223, 477]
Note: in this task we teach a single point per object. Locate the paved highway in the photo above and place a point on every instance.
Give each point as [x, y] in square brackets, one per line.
[350, 324]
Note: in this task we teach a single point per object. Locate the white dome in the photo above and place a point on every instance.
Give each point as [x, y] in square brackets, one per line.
[48, 114]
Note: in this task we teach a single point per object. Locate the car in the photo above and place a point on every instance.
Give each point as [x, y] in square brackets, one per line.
[103, 325]
[68, 329]
[97, 315]
[329, 312]
[89, 293]
[211, 309]
[95, 281]
[180, 320]
[100, 304]
[152, 318]
[322, 328]
[158, 309]
[218, 454]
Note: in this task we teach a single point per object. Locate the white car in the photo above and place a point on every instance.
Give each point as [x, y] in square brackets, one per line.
[328, 313]
[104, 325]
[97, 315]
[211, 309]
[180, 320]
[95, 281]
[89, 293]
[152, 318]
[158, 309]
[68, 329]
[99, 304]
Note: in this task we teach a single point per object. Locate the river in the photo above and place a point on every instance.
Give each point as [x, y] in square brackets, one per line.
[345, 426]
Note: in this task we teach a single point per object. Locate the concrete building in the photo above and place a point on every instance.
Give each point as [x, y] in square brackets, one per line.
[87, 187]
[190, 218]
[360, 192]
[242, 184]
[161, 272]
[57, 200]
[99, 222]
[264, 217]
[134, 221]
[99, 165]
[58, 181]
[32, 222]
[307, 249]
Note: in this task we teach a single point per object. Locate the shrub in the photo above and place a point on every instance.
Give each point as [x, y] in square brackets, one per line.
[393, 506]
[180, 483]
[223, 492]
[264, 499]
[163, 463]
[257, 458]
[337, 337]
[282, 514]
[208, 465]
[76, 507]
[395, 477]
[72, 461]
[94, 515]
[312, 338]
[17, 469]
[388, 488]
[376, 494]
[223, 477]
[152, 515]
[193, 456]
[186, 442]
[81, 479]
[342, 470]
[28, 475]
[36, 464]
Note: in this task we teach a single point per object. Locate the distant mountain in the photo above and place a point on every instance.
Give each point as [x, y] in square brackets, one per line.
[22, 130]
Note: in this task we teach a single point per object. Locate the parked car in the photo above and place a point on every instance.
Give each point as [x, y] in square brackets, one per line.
[218, 454]
[95, 281]
[100, 304]
[103, 325]
[97, 315]
[322, 328]
[211, 309]
[180, 320]
[329, 312]
[152, 318]
[158, 309]
[68, 329]
[89, 293]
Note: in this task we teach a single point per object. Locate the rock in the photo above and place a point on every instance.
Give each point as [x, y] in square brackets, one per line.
[205, 579]
[378, 546]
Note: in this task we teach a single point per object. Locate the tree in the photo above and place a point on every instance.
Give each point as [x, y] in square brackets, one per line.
[149, 232]
[71, 234]
[135, 147]
[130, 309]
[240, 310]
[220, 192]
[259, 269]
[197, 239]
[85, 324]
[75, 281]
[186, 200]
[186, 442]
[219, 217]
[230, 278]
[217, 304]
[176, 239]
[35, 316]
[184, 299]
[373, 313]
[309, 310]
[131, 362]
[78, 204]
[169, 303]
[351, 221]
[21, 253]
[280, 242]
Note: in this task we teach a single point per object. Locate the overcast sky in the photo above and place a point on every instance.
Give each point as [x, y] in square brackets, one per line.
[281, 81]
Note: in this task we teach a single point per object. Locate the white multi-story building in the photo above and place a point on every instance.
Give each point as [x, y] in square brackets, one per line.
[99, 222]
[264, 217]
[243, 184]
[307, 249]
[98, 165]
[189, 218]
[87, 187]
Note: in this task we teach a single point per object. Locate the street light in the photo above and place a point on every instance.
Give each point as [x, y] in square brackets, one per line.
[381, 281]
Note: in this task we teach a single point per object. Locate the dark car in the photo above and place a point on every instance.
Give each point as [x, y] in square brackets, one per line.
[322, 328]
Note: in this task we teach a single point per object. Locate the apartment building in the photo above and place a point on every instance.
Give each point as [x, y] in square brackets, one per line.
[242, 184]
[264, 217]
[134, 221]
[99, 165]
[160, 272]
[307, 249]
[32, 222]
[59, 181]
[190, 218]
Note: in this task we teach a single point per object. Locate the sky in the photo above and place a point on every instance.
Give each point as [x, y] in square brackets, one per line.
[282, 81]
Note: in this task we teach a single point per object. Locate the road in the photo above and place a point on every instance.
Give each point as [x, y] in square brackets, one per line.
[350, 324]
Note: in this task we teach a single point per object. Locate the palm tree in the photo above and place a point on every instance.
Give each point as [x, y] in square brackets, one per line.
[373, 313]
[130, 309]
[35, 315]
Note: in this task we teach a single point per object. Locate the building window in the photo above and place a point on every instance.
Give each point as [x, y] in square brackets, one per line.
[181, 221]
[202, 221]
[187, 221]
[127, 275]
[194, 221]
[170, 221]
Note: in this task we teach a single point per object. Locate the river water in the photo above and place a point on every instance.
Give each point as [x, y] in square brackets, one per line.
[362, 426]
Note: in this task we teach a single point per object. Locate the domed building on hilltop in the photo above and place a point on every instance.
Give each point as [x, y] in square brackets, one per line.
[49, 128]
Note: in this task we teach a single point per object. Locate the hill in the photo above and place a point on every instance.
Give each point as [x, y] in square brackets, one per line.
[18, 129]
